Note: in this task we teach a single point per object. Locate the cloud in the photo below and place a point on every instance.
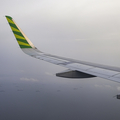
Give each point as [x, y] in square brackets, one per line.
[118, 88]
[29, 79]
[80, 39]
[47, 73]
[108, 86]
[22, 71]
[100, 86]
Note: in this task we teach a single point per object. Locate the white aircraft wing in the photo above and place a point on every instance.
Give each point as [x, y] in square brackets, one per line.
[76, 68]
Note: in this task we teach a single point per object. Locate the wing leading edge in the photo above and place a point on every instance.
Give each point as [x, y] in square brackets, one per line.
[77, 69]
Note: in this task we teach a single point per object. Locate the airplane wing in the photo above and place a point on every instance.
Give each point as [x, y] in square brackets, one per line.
[76, 68]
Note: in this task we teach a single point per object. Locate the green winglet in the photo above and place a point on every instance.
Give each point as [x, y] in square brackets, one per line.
[22, 40]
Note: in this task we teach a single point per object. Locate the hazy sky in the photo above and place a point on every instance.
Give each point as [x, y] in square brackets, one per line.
[80, 29]
[83, 25]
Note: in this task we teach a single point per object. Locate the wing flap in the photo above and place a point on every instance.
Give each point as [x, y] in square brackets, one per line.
[114, 79]
[100, 72]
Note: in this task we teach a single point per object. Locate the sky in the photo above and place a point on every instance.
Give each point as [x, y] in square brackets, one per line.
[80, 29]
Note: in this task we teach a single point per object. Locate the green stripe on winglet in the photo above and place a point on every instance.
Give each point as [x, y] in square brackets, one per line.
[23, 46]
[24, 41]
[9, 17]
[18, 33]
